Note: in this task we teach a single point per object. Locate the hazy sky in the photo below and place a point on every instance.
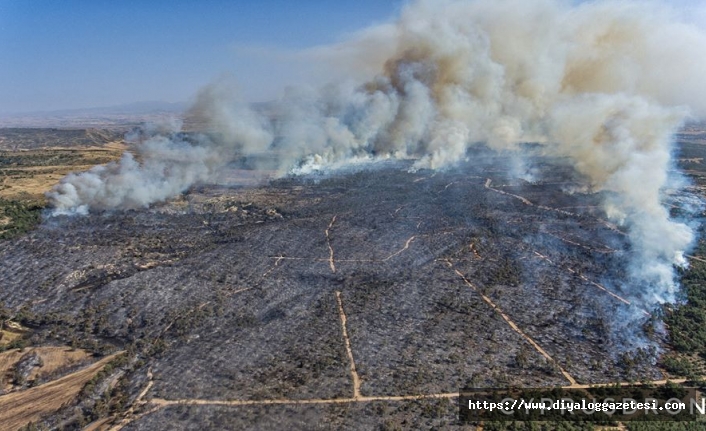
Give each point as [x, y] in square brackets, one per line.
[92, 53]
[78, 54]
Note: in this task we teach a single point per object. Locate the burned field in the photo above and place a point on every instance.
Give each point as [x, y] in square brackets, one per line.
[365, 297]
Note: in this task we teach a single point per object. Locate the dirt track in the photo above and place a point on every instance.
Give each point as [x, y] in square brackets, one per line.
[20, 408]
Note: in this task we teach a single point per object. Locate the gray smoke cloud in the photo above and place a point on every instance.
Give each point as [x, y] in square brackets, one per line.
[603, 83]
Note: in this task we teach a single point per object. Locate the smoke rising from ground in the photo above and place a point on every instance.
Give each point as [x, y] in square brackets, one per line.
[604, 84]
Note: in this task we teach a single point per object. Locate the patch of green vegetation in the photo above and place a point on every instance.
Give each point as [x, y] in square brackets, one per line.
[538, 426]
[44, 158]
[27, 159]
[19, 343]
[18, 217]
[666, 426]
[687, 322]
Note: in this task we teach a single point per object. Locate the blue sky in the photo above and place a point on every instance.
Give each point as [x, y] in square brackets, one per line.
[80, 54]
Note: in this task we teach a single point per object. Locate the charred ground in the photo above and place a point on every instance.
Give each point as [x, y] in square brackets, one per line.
[231, 296]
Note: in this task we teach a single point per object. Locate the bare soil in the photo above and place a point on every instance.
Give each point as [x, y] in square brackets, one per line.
[18, 409]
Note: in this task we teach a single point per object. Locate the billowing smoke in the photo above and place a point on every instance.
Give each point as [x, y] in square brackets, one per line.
[167, 166]
[167, 162]
[604, 84]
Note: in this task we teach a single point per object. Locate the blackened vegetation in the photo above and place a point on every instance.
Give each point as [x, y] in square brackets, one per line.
[229, 294]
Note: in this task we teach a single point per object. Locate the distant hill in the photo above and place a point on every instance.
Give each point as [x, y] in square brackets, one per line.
[144, 107]
[116, 117]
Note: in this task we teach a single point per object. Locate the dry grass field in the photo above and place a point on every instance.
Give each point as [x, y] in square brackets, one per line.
[52, 359]
[32, 161]
[31, 173]
[6, 337]
[18, 409]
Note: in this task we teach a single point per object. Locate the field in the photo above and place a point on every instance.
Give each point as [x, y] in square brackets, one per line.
[33, 160]
[18, 409]
[365, 299]
[43, 363]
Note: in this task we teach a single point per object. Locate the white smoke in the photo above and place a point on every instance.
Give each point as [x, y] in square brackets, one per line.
[603, 83]
[168, 167]
[167, 162]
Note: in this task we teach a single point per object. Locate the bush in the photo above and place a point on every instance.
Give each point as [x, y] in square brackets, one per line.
[19, 216]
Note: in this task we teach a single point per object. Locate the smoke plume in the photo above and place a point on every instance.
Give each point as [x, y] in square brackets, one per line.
[603, 83]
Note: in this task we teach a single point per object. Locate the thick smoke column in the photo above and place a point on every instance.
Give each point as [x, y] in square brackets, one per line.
[169, 161]
[604, 84]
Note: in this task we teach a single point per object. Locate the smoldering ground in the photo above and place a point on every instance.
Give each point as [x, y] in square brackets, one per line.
[603, 84]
